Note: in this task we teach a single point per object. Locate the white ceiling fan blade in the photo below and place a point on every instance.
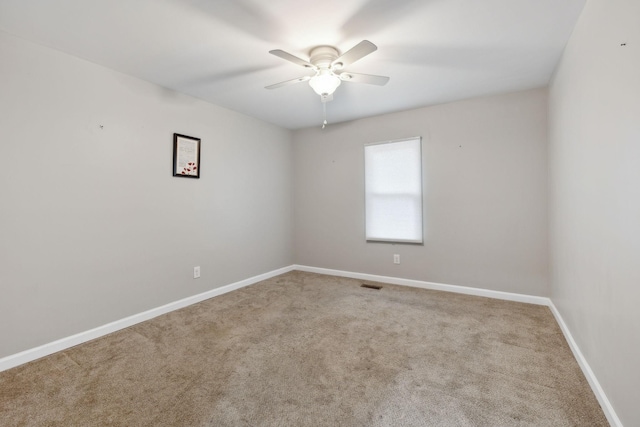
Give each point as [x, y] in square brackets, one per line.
[288, 82]
[364, 78]
[359, 51]
[287, 56]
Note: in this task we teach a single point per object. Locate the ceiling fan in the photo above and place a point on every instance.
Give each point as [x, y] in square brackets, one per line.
[329, 68]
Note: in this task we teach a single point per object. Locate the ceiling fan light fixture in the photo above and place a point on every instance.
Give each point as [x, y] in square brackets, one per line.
[325, 82]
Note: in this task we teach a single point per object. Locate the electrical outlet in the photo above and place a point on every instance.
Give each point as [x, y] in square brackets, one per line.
[396, 258]
[196, 272]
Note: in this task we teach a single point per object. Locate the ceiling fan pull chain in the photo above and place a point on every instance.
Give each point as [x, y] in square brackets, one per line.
[324, 114]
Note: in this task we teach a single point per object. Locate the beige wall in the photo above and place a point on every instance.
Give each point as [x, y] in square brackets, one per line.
[485, 193]
[594, 161]
[93, 227]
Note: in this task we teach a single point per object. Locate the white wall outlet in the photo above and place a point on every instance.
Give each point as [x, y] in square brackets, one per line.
[396, 258]
[196, 272]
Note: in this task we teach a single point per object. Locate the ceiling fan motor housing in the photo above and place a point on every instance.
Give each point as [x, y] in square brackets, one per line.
[323, 56]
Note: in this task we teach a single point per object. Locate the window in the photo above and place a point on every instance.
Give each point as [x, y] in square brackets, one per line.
[393, 191]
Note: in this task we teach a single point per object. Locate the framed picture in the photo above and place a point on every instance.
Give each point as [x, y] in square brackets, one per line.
[186, 156]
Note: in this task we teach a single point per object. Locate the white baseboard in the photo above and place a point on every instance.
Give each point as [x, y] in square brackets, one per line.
[608, 410]
[14, 360]
[530, 299]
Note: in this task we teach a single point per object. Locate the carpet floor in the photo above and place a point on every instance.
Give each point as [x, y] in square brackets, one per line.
[305, 349]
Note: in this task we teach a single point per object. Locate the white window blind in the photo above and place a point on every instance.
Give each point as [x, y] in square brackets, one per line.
[393, 191]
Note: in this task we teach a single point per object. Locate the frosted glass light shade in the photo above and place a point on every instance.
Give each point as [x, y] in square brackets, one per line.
[325, 83]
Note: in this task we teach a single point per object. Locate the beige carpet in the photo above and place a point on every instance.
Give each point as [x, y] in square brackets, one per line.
[304, 349]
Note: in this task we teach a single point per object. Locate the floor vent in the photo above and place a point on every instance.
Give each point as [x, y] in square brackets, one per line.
[376, 287]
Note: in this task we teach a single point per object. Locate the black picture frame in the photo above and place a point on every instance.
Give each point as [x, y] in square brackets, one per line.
[186, 156]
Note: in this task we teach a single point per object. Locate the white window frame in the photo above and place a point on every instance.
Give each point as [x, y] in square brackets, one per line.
[412, 189]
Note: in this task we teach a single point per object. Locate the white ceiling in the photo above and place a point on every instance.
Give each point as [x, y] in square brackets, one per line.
[435, 51]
